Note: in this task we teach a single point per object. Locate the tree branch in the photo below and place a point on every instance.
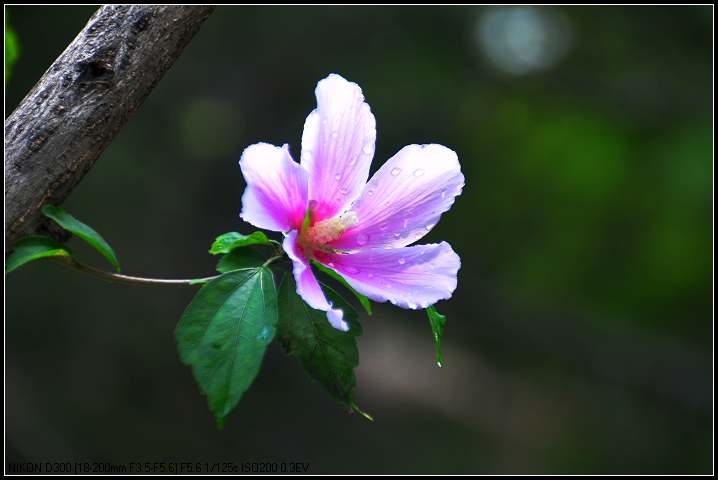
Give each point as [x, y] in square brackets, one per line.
[83, 100]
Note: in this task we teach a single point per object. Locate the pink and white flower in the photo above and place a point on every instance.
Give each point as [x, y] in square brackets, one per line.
[331, 214]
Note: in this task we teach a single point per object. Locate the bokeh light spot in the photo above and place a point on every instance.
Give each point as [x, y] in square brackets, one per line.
[523, 40]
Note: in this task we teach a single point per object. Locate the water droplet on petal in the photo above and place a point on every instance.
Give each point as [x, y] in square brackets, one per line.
[402, 261]
[429, 227]
[353, 270]
[362, 239]
[443, 194]
[335, 134]
[387, 204]
[366, 149]
[370, 193]
[383, 226]
[396, 171]
[353, 162]
[406, 222]
[371, 275]
[331, 264]
[337, 177]
[419, 172]
[343, 191]
[397, 234]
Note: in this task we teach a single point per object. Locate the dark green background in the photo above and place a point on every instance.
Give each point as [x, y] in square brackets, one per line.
[579, 339]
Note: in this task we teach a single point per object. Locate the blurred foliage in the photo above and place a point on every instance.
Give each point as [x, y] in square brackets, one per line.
[581, 332]
[12, 47]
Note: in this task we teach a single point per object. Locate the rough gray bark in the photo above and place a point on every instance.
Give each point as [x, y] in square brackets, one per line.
[83, 100]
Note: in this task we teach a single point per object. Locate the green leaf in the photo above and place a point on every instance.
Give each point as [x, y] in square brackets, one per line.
[32, 248]
[243, 258]
[437, 322]
[85, 232]
[362, 299]
[12, 47]
[224, 333]
[227, 242]
[327, 354]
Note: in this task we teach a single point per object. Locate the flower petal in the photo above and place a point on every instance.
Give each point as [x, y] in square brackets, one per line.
[405, 198]
[307, 285]
[409, 277]
[276, 193]
[337, 146]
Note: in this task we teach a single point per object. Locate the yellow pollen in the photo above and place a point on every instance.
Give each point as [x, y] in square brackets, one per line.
[321, 233]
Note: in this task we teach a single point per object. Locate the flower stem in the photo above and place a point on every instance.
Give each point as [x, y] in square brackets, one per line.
[127, 279]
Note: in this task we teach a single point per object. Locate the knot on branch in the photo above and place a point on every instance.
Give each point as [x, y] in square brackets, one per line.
[96, 71]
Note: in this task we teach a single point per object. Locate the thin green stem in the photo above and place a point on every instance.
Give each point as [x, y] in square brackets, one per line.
[127, 279]
[273, 259]
[131, 280]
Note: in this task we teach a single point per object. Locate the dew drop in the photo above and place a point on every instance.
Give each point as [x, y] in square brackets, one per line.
[265, 334]
[362, 239]
[383, 226]
[402, 261]
[406, 222]
[343, 191]
[366, 149]
[353, 270]
[337, 177]
[335, 134]
[397, 234]
[443, 194]
[331, 264]
[419, 172]
[396, 171]
[429, 227]
[370, 193]
[353, 162]
[387, 204]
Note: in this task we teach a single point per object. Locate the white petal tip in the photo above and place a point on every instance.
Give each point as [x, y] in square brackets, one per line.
[336, 319]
